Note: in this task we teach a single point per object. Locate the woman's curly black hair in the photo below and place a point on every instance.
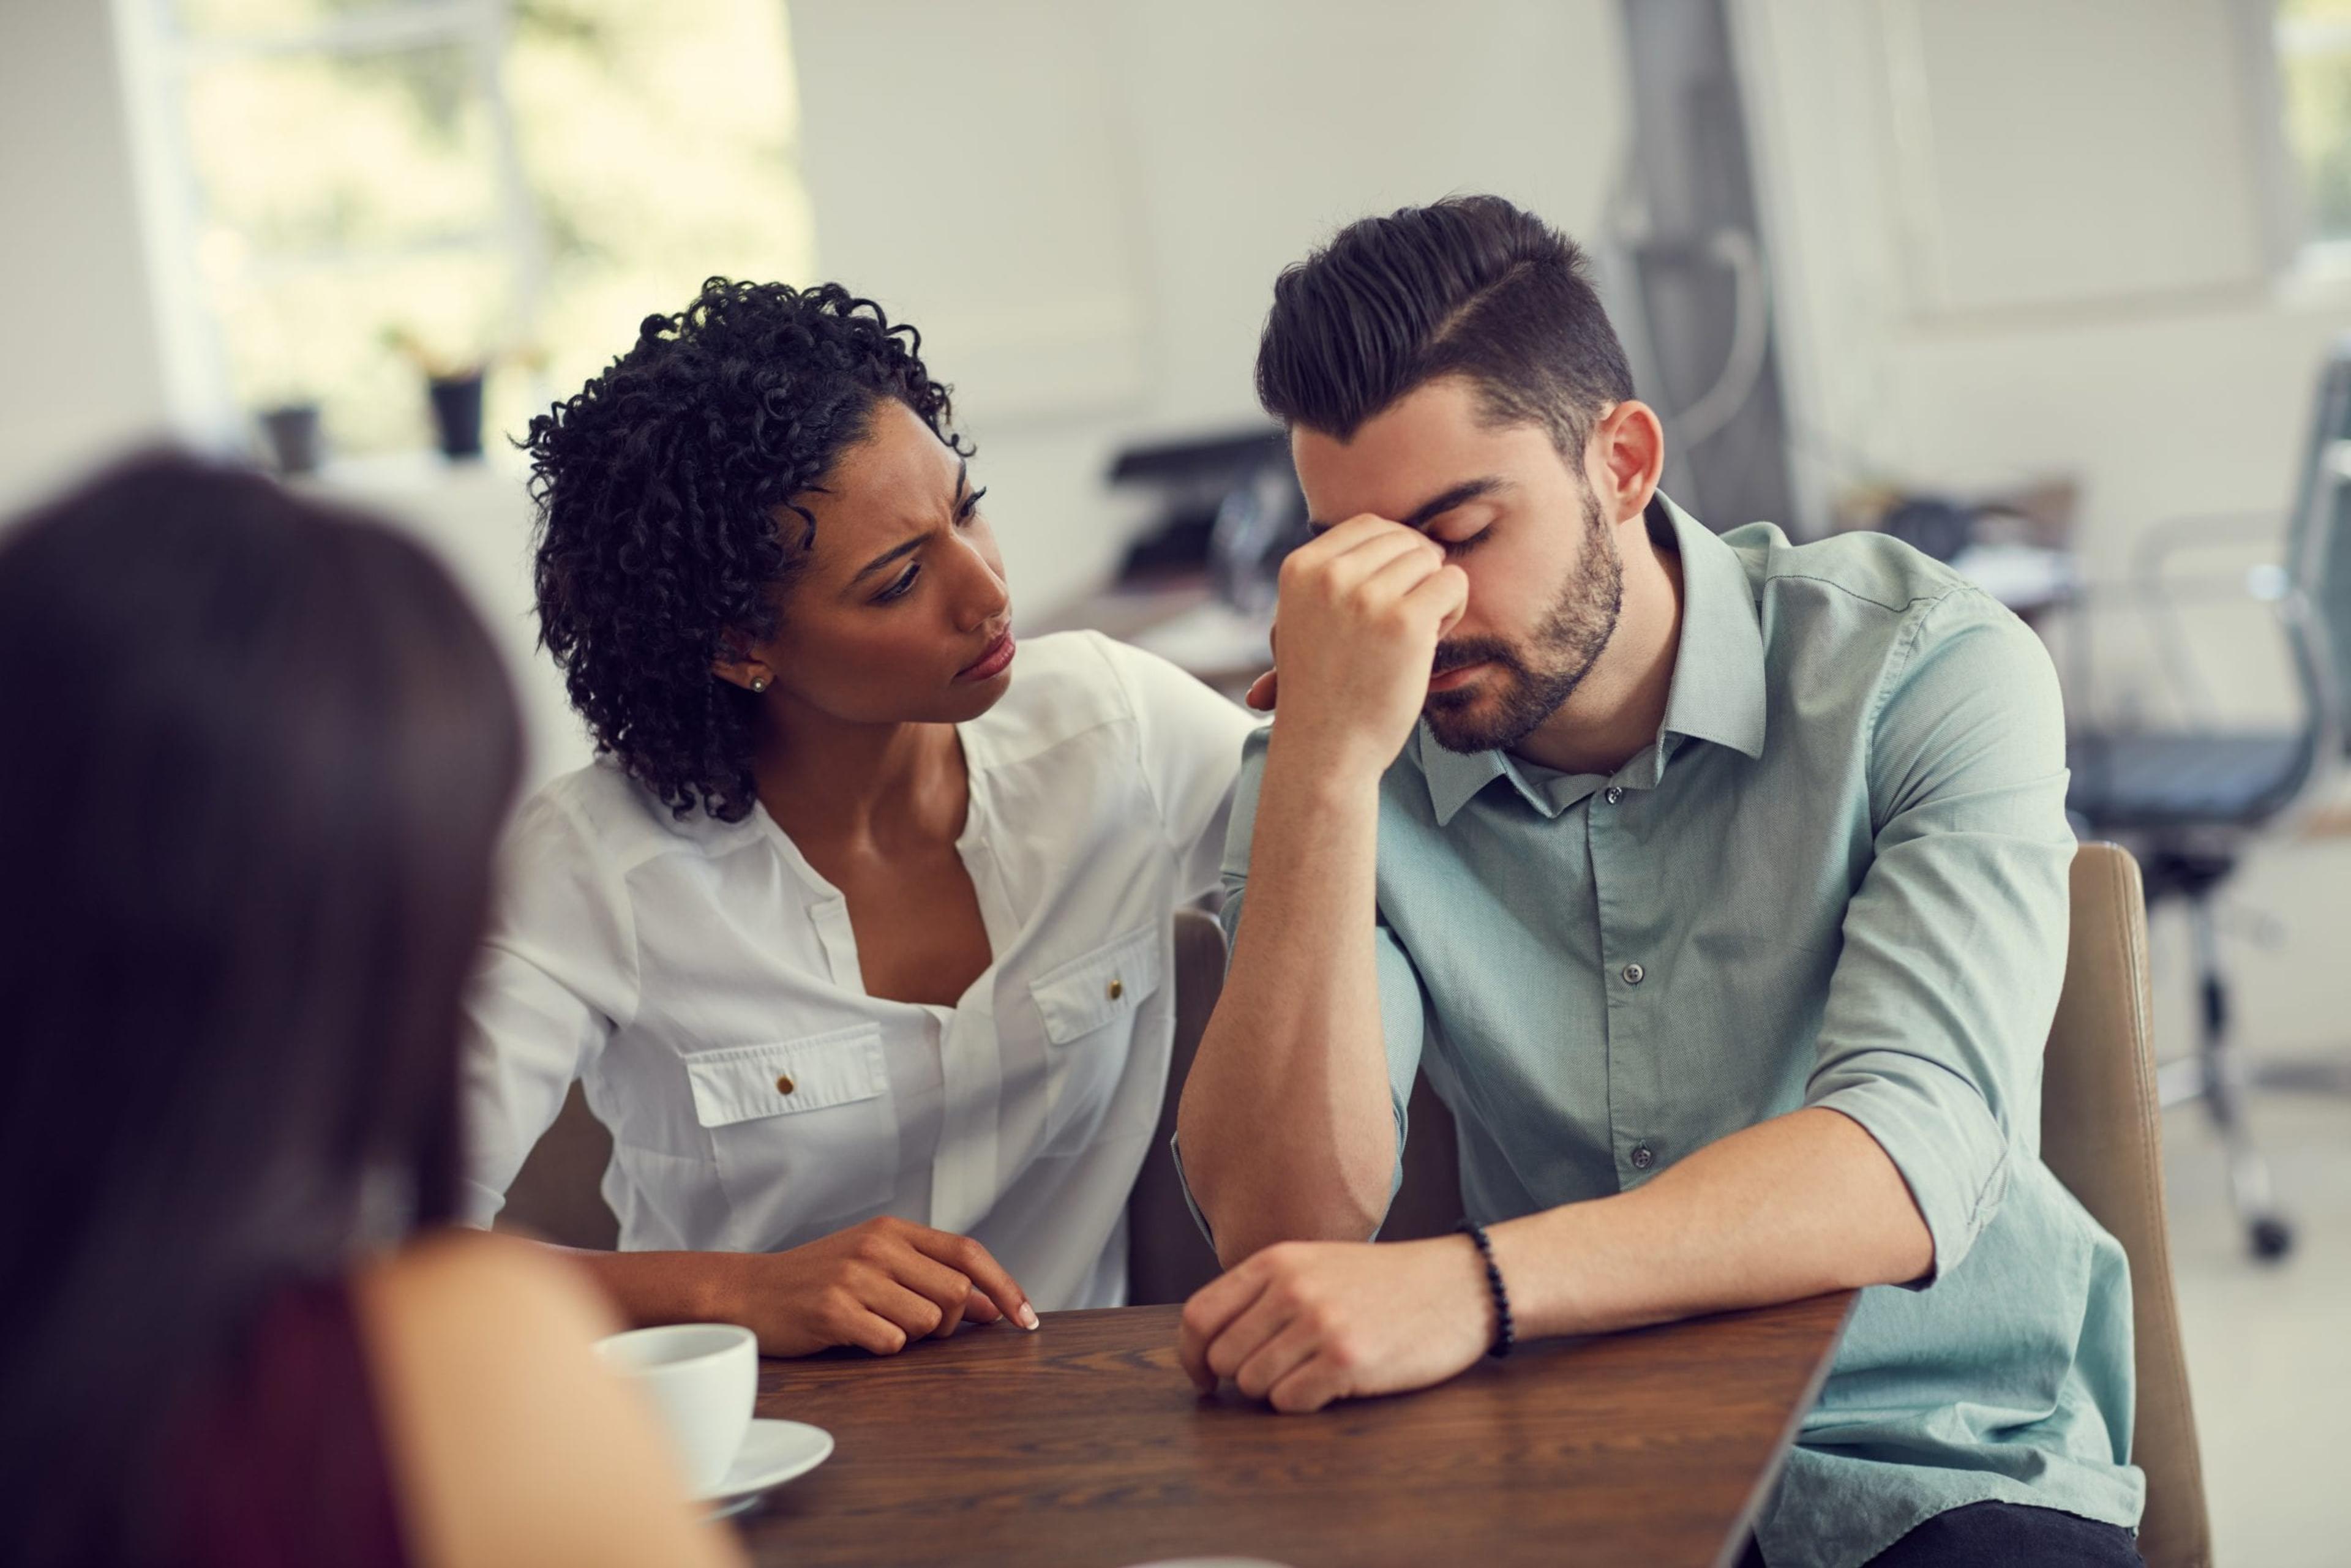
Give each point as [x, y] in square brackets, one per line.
[661, 487]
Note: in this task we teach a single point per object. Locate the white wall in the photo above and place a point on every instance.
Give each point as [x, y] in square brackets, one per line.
[1084, 202]
[86, 372]
[2014, 238]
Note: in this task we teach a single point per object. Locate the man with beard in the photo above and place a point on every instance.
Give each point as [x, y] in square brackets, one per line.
[1720, 884]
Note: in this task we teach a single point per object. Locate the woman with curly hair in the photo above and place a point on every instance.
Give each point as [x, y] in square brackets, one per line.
[856, 931]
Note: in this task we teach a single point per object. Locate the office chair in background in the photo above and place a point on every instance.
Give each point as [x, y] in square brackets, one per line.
[2191, 801]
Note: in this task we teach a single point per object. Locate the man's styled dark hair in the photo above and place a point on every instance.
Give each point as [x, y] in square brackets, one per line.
[1472, 287]
[661, 486]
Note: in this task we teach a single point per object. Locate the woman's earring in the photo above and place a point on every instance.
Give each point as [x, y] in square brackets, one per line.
[759, 681]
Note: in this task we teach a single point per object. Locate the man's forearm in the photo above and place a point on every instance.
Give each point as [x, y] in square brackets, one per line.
[1286, 1123]
[1794, 1206]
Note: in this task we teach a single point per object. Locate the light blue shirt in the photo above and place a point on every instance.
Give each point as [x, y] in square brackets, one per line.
[1839, 878]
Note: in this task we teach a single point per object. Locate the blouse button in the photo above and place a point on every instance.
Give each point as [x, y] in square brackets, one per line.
[1117, 989]
[784, 1085]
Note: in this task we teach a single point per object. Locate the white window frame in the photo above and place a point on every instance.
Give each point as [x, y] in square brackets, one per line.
[2301, 257]
[158, 55]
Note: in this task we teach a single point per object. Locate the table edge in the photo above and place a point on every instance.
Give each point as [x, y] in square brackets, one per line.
[1727, 1555]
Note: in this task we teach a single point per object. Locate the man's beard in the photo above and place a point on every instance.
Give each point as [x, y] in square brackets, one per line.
[1525, 686]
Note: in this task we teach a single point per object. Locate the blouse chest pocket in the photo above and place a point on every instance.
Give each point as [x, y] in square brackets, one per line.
[803, 1130]
[1088, 1006]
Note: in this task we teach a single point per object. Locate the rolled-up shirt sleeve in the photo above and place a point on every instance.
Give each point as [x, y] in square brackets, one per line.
[1954, 947]
[556, 976]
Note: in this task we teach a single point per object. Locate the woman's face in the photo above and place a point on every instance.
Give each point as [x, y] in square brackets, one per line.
[900, 613]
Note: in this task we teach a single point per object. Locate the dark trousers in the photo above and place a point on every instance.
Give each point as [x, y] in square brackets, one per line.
[2008, 1533]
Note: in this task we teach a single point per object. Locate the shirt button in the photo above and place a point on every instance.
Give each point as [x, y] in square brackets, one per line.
[1615, 793]
[1642, 1157]
[784, 1085]
[1117, 989]
[1634, 974]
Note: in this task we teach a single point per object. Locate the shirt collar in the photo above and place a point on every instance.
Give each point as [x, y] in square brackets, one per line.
[1718, 689]
[1454, 777]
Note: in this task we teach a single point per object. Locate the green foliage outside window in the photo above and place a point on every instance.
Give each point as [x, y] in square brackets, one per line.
[357, 221]
[2314, 73]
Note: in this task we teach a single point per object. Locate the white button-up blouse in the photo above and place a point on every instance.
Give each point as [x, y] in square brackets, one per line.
[702, 982]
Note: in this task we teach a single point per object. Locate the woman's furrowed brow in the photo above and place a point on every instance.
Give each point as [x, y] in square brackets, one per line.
[903, 547]
[961, 488]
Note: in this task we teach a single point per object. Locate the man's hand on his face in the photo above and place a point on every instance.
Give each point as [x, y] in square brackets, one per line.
[1361, 608]
[1304, 1323]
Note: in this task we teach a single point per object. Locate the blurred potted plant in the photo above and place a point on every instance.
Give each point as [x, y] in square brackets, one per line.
[291, 429]
[279, 385]
[454, 388]
[453, 385]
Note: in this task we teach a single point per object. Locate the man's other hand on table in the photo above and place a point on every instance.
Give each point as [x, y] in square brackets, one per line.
[1301, 1324]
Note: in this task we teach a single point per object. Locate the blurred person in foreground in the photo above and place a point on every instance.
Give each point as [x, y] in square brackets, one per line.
[256, 751]
[1720, 884]
[858, 932]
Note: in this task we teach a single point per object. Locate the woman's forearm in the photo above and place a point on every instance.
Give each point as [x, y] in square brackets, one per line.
[651, 1288]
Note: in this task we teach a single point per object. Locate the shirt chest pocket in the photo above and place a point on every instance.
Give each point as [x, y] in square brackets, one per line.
[1089, 1006]
[803, 1131]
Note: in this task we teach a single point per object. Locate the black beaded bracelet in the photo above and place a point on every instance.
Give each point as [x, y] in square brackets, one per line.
[1505, 1337]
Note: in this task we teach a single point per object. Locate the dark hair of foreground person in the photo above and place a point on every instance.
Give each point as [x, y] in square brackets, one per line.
[256, 753]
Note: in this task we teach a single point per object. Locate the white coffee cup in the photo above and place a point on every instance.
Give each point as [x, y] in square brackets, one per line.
[704, 1379]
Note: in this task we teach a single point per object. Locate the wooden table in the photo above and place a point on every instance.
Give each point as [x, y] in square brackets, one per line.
[1083, 1444]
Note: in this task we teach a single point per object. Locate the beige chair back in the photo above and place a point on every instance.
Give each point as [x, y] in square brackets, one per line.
[1166, 1256]
[558, 1195]
[2102, 1134]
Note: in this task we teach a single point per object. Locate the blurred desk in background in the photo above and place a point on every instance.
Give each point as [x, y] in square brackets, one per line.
[2031, 580]
[1181, 619]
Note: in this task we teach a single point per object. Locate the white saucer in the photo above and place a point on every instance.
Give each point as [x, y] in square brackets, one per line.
[773, 1452]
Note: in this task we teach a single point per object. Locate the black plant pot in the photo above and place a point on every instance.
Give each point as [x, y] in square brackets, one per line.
[293, 433]
[457, 413]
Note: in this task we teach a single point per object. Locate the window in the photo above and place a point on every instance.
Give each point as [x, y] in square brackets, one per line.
[2314, 56]
[364, 191]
